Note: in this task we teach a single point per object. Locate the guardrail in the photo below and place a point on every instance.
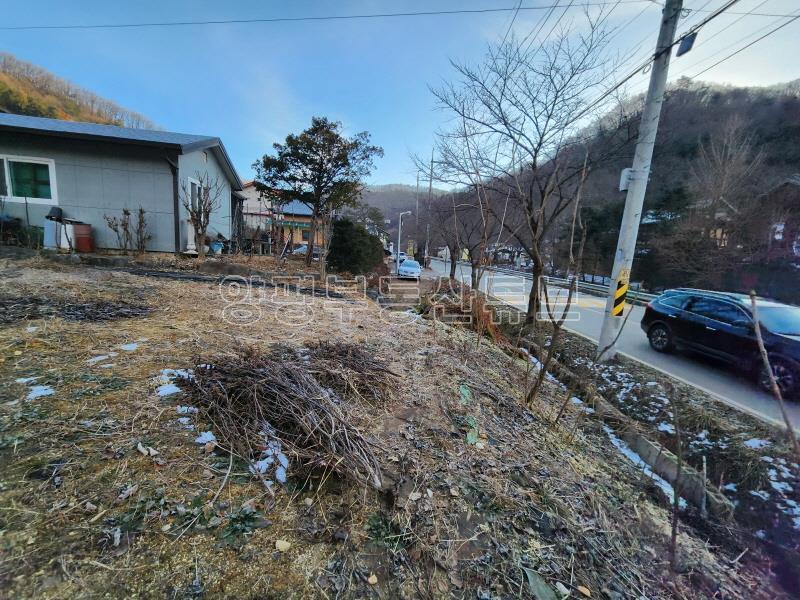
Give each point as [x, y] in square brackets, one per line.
[634, 296]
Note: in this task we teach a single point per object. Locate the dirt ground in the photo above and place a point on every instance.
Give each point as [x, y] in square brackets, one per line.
[106, 492]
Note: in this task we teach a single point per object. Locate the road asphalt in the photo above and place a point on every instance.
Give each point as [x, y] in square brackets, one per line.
[586, 317]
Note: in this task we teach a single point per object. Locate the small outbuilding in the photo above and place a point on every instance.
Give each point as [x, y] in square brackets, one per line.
[92, 171]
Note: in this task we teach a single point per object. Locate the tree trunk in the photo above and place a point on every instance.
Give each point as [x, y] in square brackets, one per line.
[534, 300]
[199, 242]
[453, 263]
[311, 235]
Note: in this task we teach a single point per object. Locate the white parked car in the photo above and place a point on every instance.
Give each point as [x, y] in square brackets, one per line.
[409, 269]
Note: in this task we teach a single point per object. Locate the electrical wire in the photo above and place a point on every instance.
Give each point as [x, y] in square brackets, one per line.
[427, 13]
[732, 54]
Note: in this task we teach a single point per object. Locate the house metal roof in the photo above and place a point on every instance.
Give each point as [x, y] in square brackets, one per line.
[295, 207]
[183, 142]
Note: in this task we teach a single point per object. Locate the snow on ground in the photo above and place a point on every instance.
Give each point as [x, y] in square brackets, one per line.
[637, 460]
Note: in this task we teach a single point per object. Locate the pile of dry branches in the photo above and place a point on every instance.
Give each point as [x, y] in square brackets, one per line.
[351, 371]
[31, 307]
[297, 396]
[458, 304]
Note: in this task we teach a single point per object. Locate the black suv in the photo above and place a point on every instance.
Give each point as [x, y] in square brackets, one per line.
[720, 325]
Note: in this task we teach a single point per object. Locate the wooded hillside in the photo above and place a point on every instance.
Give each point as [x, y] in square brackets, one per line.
[26, 89]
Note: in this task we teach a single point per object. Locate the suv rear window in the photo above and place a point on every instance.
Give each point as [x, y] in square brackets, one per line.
[716, 309]
[673, 300]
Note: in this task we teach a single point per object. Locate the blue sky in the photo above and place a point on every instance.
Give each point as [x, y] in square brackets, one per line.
[251, 84]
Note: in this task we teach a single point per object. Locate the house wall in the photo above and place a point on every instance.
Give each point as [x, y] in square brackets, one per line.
[93, 179]
[194, 165]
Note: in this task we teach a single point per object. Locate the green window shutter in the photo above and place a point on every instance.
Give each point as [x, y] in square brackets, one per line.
[3, 185]
[30, 180]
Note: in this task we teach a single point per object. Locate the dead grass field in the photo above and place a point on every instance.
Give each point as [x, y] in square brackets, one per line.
[480, 498]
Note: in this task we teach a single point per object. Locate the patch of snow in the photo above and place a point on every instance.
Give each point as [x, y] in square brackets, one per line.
[186, 422]
[186, 410]
[25, 379]
[576, 400]
[261, 466]
[100, 358]
[167, 389]
[666, 427]
[272, 456]
[652, 383]
[731, 487]
[38, 391]
[588, 410]
[756, 443]
[637, 460]
[31, 328]
[760, 534]
[106, 365]
[760, 494]
[130, 347]
[205, 437]
[780, 486]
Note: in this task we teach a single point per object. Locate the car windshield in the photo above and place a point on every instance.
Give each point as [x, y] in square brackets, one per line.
[410, 264]
[780, 319]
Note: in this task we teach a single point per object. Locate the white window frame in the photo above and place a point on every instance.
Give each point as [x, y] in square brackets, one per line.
[51, 168]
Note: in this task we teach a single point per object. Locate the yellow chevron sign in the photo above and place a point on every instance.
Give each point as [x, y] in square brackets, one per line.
[619, 298]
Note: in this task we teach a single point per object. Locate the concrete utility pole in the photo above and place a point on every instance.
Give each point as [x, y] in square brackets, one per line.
[399, 230]
[637, 183]
[428, 211]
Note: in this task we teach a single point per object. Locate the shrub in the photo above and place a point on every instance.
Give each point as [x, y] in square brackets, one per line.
[353, 249]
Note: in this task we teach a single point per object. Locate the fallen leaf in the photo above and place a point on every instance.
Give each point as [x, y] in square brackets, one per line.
[414, 496]
[127, 492]
[454, 492]
[89, 507]
[282, 545]
[141, 449]
[562, 589]
[373, 579]
[538, 586]
[152, 451]
[585, 591]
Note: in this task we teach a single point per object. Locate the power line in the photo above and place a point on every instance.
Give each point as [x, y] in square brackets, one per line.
[511, 25]
[650, 60]
[724, 48]
[428, 13]
[732, 54]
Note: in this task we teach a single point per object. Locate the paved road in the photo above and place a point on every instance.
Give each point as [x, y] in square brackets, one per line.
[586, 317]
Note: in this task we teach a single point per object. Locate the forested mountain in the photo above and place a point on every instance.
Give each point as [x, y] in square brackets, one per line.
[394, 198]
[26, 89]
[695, 113]
[715, 215]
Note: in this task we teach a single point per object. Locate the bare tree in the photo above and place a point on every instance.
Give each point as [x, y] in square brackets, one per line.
[528, 105]
[445, 228]
[725, 167]
[726, 223]
[200, 200]
[121, 226]
[141, 233]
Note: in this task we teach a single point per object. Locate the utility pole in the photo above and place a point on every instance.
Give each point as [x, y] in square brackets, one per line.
[428, 212]
[637, 183]
[399, 230]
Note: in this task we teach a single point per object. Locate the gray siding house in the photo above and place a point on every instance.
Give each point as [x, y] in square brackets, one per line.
[91, 170]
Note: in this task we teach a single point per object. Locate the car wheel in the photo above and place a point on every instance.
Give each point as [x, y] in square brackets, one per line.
[786, 376]
[660, 338]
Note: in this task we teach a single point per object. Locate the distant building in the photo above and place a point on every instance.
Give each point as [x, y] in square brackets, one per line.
[91, 171]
